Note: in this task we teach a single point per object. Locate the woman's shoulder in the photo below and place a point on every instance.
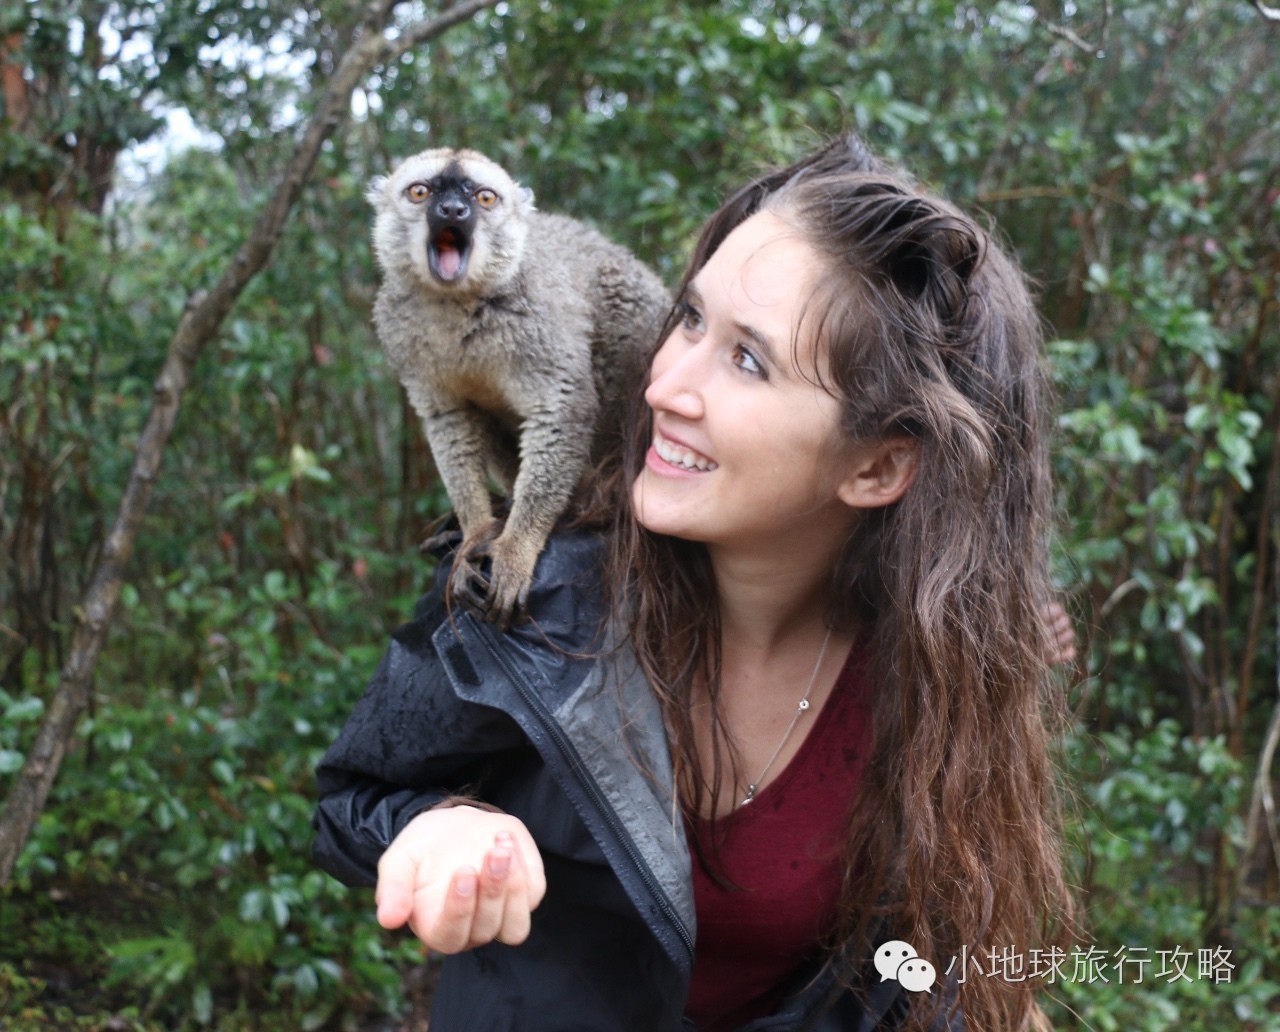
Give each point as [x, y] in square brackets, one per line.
[567, 597]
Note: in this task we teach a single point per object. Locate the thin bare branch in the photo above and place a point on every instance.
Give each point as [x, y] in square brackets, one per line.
[200, 322]
[427, 31]
[1270, 13]
[1092, 49]
[1262, 809]
[1262, 806]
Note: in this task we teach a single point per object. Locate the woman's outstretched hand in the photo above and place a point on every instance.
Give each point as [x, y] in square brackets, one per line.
[461, 877]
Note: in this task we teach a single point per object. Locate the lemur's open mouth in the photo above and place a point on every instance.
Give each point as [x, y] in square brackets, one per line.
[447, 255]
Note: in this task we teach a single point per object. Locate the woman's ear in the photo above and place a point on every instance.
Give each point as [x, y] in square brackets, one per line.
[880, 474]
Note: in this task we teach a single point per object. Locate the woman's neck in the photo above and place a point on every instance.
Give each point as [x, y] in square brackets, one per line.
[766, 600]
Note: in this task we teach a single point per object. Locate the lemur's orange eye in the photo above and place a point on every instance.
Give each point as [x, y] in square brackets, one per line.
[487, 198]
[418, 192]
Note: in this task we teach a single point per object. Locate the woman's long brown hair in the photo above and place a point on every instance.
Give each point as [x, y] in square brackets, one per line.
[929, 332]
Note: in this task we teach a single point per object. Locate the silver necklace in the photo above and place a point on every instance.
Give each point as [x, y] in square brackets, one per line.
[801, 710]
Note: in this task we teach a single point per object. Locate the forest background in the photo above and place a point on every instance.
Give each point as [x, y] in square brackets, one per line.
[212, 488]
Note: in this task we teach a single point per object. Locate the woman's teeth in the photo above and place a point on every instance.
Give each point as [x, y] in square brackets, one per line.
[682, 457]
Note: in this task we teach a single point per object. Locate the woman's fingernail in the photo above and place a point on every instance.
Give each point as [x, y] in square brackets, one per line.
[465, 883]
[499, 863]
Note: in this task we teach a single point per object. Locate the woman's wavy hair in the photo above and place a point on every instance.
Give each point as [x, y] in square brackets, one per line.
[928, 332]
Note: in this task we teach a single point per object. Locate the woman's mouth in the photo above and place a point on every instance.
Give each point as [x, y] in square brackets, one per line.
[681, 457]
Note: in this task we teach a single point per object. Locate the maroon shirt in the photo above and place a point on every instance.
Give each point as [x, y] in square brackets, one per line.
[783, 851]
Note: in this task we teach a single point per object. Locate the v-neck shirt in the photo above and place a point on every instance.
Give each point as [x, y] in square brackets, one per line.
[783, 854]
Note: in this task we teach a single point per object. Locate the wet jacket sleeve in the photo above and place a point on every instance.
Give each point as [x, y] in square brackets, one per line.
[409, 743]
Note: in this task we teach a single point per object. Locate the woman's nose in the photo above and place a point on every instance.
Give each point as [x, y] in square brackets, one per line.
[676, 378]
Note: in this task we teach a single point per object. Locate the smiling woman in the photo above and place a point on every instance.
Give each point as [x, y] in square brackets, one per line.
[813, 721]
[746, 453]
[890, 326]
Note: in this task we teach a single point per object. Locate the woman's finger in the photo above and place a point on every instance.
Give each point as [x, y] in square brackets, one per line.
[495, 886]
[450, 930]
[393, 897]
[517, 917]
[528, 867]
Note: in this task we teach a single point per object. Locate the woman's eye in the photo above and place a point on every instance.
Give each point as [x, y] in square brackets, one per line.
[690, 318]
[747, 362]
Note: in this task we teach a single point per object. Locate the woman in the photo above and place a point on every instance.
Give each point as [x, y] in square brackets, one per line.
[812, 722]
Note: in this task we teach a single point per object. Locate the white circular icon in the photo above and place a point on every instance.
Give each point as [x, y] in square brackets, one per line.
[891, 955]
[917, 975]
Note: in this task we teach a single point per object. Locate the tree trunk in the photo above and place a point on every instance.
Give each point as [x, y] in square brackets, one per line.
[200, 322]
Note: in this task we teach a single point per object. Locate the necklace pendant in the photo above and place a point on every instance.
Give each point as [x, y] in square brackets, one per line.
[800, 710]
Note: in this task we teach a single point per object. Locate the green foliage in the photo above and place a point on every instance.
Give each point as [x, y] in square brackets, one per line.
[1155, 805]
[201, 793]
[1134, 176]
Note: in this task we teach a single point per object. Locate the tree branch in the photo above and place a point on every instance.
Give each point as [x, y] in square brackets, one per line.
[17, 107]
[424, 32]
[1062, 32]
[200, 322]
[1262, 800]
[1262, 807]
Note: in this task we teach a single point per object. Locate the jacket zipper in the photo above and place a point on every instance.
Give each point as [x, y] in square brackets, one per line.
[570, 755]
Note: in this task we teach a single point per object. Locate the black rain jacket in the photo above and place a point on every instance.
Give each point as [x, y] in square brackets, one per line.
[548, 725]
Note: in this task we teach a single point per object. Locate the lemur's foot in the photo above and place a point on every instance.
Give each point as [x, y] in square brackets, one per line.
[491, 575]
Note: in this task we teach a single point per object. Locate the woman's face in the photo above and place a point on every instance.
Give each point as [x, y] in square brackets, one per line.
[744, 443]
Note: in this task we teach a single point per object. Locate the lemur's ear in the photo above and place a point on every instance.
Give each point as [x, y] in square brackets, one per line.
[376, 192]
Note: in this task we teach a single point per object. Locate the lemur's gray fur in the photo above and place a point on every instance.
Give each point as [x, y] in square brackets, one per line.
[516, 335]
